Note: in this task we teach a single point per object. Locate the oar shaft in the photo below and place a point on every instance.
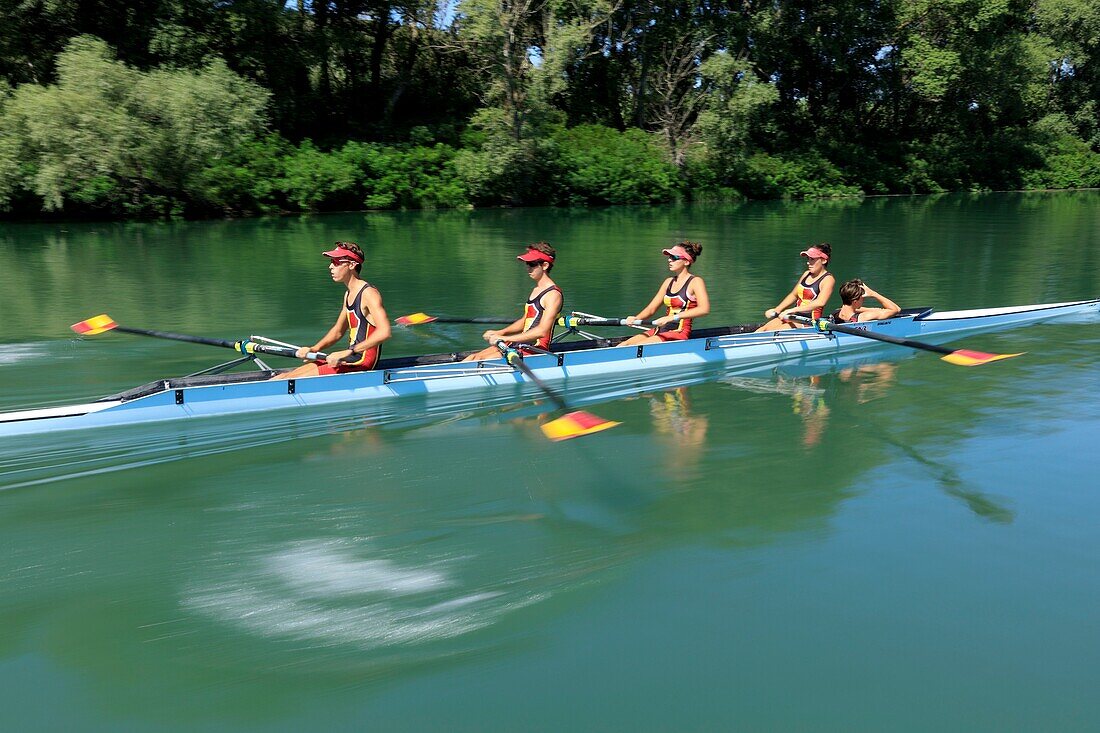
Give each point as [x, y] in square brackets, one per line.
[176, 337]
[480, 319]
[513, 358]
[823, 324]
[574, 321]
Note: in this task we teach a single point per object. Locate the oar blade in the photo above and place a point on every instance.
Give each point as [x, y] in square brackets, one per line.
[92, 326]
[576, 424]
[415, 319]
[967, 357]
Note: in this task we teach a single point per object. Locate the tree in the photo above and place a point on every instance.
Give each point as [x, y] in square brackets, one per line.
[107, 135]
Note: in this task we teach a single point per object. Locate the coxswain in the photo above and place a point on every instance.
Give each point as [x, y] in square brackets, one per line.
[852, 310]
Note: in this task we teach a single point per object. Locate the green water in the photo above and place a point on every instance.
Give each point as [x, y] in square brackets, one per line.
[891, 543]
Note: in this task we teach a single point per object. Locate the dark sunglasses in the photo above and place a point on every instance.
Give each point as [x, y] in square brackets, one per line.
[536, 263]
[673, 258]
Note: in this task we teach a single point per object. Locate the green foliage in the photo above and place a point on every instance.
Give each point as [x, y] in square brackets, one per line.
[805, 175]
[415, 177]
[313, 179]
[248, 180]
[166, 107]
[604, 166]
[1068, 162]
[496, 168]
[110, 137]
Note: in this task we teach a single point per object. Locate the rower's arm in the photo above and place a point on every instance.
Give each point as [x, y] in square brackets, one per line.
[823, 295]
[654, 304]
[702, 300]
[334, 334]
[784, 304]
[698, 289]
[889, 308]
[494, 335]
[551, 304]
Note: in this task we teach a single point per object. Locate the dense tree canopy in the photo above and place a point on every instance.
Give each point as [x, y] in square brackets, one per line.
[206, 106]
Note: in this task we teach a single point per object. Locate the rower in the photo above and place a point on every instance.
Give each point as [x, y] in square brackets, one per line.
[810, 293]
[684, 296]
[362, 318]
[852, 294]
[536, 325]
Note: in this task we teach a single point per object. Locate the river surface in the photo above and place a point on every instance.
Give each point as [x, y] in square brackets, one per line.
[886, 543]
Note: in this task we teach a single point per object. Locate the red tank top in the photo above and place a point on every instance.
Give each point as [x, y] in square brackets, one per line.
[676, 301]
[359, 328]
[533, 313]
[809, 291]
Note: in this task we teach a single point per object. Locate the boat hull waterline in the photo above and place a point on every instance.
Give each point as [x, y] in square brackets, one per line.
[174, 399]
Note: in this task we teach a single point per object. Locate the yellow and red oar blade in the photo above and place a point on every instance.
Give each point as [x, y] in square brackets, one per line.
[414, 319]
[92, 326]
[575, 424]
[966, 357]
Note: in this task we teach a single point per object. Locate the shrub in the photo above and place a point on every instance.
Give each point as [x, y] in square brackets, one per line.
[604, 166]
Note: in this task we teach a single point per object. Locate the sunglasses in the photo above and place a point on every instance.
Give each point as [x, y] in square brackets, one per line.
[674, 258]
[337, 263]
[536, 263]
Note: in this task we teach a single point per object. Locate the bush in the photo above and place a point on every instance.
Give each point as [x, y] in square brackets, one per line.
[408, 177]
[800, 175]
[1067, 161]
[108, 137]
[249, 180]
[605, 166]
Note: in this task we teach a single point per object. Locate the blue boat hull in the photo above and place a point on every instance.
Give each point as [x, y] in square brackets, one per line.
[737, 350]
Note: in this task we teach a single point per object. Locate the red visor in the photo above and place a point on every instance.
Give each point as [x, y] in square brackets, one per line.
[813, 252]
[533, 255]
[343, 254]
[678, 251]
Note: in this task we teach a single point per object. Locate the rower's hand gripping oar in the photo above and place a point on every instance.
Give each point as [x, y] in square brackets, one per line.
[570, 425]
[417, 319]
[959, 357]
[103, 323]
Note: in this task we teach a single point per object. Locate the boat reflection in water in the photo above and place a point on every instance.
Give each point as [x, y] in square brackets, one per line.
[815, 384]
[681, 432]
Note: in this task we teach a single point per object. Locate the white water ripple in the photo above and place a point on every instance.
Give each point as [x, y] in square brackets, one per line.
[326, 593]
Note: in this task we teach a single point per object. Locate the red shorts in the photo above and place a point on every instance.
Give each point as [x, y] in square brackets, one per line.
[669, 335]
[369, 361]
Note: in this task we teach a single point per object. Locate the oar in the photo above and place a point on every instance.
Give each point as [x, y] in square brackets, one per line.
[570, 425]
[575, 321]
[103, 323]
[416, 319]
[959, 357]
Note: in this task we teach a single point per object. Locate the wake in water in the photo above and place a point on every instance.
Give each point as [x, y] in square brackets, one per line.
[326, 592]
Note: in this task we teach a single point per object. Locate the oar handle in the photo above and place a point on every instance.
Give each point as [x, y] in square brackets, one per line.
[244, 347]
[251, 347]
[575, 321]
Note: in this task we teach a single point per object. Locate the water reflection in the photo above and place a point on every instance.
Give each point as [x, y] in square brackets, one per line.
[681, 433]
[813, 384]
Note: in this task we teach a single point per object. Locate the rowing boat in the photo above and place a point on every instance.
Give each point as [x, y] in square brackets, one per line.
[221, 394]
